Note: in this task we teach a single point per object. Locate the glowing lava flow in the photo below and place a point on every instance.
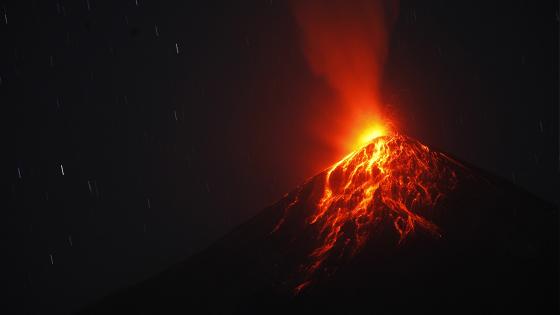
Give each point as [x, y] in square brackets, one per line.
[392, 179]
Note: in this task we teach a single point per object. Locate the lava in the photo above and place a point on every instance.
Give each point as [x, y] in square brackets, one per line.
[369, 134]
[391, 179]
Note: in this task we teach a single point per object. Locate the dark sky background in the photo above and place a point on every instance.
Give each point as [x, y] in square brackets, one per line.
[145, 130]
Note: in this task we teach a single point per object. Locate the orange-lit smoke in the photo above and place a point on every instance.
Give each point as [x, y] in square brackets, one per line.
[346, 43]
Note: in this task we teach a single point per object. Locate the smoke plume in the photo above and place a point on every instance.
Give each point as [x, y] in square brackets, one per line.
[346, 43]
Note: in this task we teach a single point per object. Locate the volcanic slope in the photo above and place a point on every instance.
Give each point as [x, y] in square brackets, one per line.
[393, 228]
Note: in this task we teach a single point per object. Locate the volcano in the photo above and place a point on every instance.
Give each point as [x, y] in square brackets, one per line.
[394, 227]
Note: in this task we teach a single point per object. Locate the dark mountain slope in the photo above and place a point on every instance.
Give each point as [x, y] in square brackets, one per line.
[393, 228]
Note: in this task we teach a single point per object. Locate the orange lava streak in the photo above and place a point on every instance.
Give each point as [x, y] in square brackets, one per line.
[391, 173]
[392, 179]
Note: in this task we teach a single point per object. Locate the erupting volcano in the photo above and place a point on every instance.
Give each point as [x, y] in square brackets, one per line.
[393, 214]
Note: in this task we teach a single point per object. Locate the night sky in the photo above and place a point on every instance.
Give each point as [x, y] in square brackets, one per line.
[144, 130]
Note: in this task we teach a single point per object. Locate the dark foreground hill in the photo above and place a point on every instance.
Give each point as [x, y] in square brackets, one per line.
[394, 228]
